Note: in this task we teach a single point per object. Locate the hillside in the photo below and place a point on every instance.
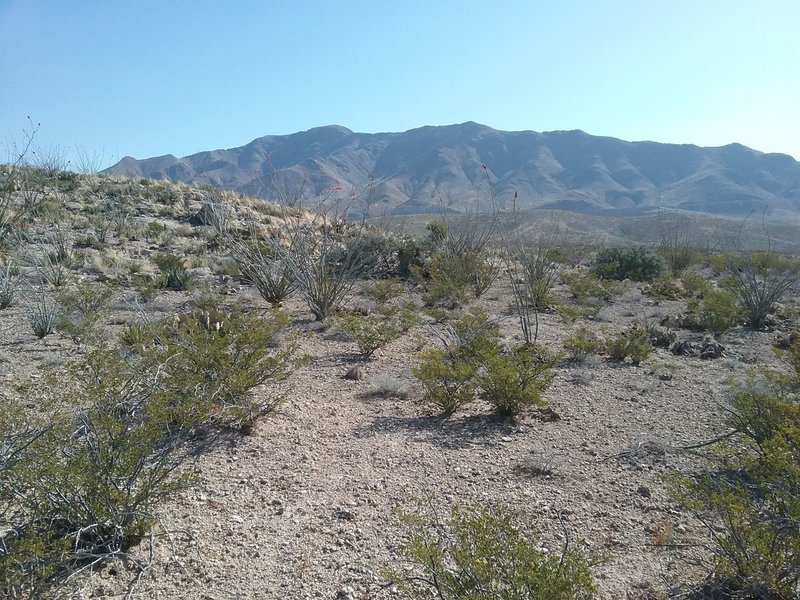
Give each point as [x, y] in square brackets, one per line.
[435, 169]
[171, 429]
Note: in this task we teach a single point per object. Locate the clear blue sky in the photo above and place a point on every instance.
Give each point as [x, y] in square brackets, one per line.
[146, 78]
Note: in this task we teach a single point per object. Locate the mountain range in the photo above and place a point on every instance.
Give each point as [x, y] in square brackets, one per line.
[472, 167]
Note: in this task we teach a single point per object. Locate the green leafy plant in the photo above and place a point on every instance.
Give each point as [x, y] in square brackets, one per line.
[636, 264]
[487, 553]
[585, 285]
[453, 278]
[72, 500]
[717, 311]
[632, 346]
[449, 374]
[370, 332]
[514, 380]
[174, 274]
[383, 290]
[214, 368]
[582, 343]
[751, 505]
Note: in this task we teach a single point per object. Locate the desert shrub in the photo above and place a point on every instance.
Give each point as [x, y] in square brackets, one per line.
[449, 374]
[8, 286]
[473, 360]
[82, 307]
[632, 346]
[453, 278]
[751, 505]
[582, 343]
[636, 264]
[83, 488]
[717, 311]
[409, 254]
[370, 332]
[437, 228]
[665, 287]
[486, 553]
[585, 285]
[569, 314]
[759, 280]
[258, 262]
[514, 380]
[42, 314]
[174, 275]
[214, 368]
[377, 250]
[677, 244]
[382, 290]
[448, 378]
[694, 284]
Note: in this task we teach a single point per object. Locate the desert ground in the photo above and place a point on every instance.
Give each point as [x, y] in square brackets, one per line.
[308, 503]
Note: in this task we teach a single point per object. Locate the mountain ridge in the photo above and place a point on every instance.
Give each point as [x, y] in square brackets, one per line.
[472, 166]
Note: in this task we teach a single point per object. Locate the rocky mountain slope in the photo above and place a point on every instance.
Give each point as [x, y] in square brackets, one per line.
[472, 166]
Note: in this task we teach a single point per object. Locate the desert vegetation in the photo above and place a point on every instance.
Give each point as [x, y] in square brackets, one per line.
[521, 419]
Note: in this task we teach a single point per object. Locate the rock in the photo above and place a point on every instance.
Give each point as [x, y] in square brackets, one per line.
[643, 491]
[711, 349]
[355, 373]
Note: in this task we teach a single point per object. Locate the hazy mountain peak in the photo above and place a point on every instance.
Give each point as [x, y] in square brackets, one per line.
[434, 168]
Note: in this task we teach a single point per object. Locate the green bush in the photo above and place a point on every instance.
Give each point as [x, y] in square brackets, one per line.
[473, 361]
[213, 369]
[666, 287]
[449, 374]
[751, 505]
[514, 380]
[456, 278]
[83, 488]
[485, 553]
[370, 332]
[582, 343]
[636, 264]
[174, 275]
[631, 346]
[586, 285]
[383, 290]
[717, 311]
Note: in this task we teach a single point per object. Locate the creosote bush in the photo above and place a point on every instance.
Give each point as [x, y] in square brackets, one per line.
[382, 291]
[370, 332]
[487, 553]
[584, 285]
[717, 311]
[582, 343]
[515, 379]
[636, 264]
[83, 484]
[473, 361]
[751, 504]
[632, 346]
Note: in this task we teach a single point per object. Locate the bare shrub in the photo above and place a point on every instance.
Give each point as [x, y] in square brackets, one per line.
[759, 280]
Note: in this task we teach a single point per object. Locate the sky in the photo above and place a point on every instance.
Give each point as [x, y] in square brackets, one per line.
[111, 78]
